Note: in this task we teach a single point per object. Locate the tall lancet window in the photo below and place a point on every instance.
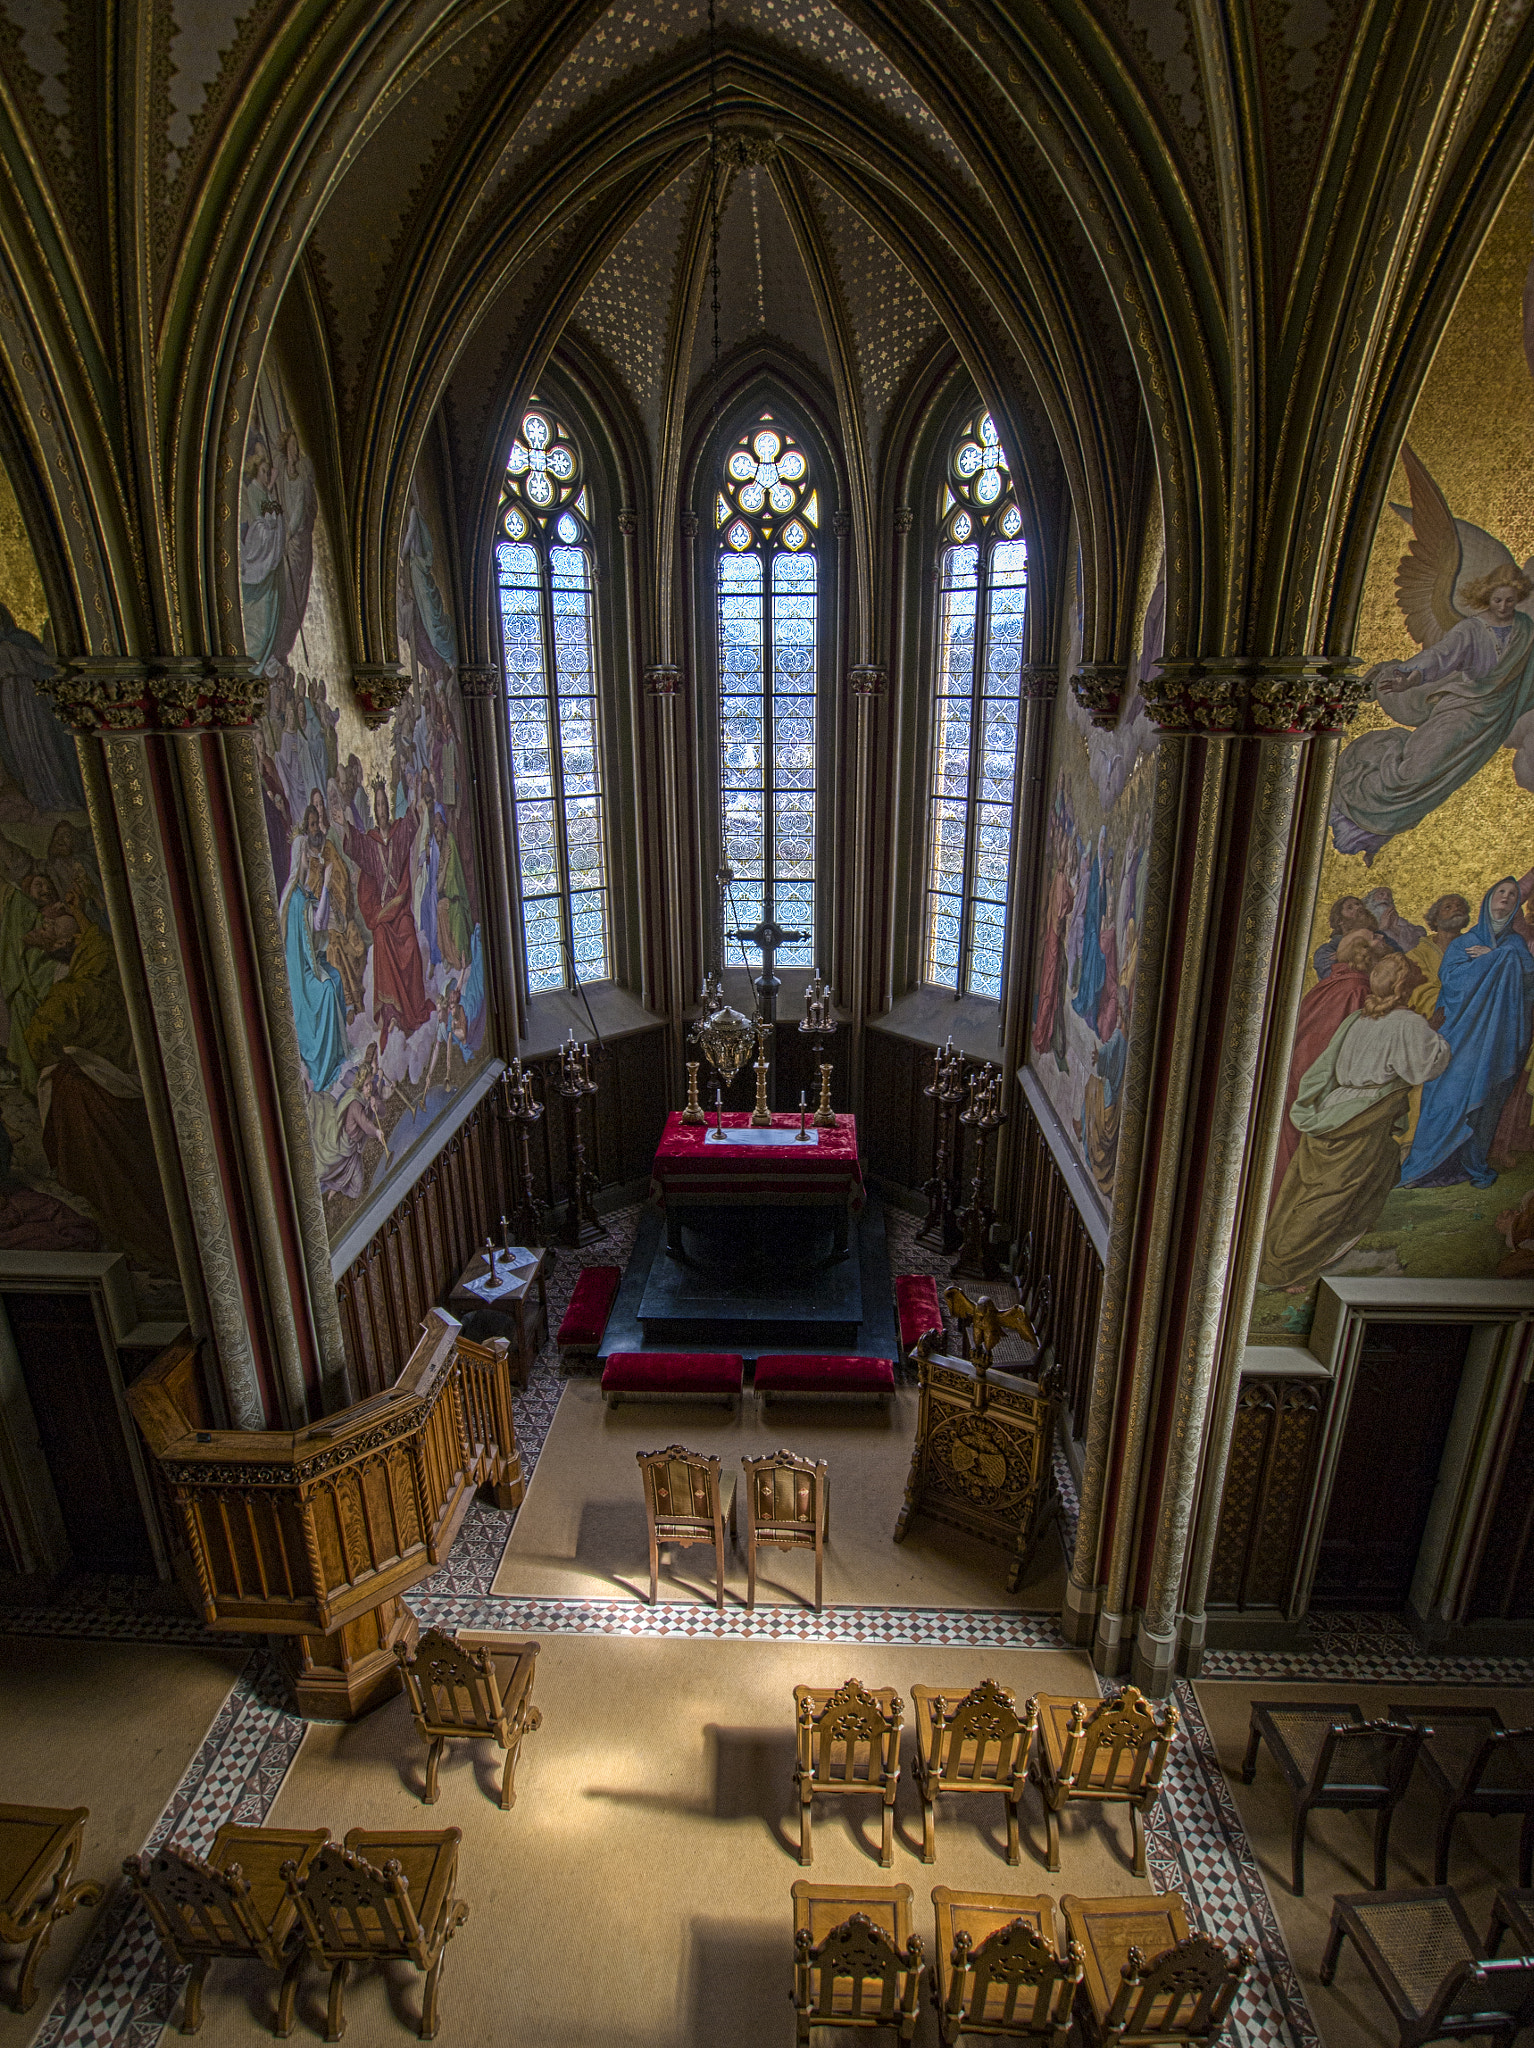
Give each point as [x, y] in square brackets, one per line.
[767, 513]
[982, 600]
[544, 566]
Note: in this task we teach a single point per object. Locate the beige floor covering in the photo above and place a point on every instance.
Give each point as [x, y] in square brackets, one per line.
[638, 1893]
[111, 1726]
[581, 1533]
[1339, 1855]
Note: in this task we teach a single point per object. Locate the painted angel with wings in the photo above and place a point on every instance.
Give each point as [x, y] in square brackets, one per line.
[1470, 608]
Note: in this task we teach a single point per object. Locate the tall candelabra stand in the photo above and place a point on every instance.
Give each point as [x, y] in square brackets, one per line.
[983, 1114]
[820, 1021]
[940, 1226]
[575, 1085]
[761, 1115]
[521, 1109]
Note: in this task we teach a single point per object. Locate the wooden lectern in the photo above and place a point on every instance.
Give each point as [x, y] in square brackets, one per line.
[312, 1536]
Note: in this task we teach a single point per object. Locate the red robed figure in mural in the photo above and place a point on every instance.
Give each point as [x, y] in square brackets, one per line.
[383, 897]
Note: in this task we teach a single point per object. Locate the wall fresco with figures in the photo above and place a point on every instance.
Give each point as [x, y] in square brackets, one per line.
[1096, 839]
[77, 1158]
[1407, 1137]
[371, 832]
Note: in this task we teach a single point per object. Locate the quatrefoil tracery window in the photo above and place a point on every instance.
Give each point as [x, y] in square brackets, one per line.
[544, 564]
[982, 611]
[767, 516]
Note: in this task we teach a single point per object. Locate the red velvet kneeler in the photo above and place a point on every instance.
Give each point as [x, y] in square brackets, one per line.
[917, 1303]
[679, 1375]
[590, 1305]
[790, 1373]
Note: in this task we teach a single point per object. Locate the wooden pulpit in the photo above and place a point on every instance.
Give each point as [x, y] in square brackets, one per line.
[312, 1536]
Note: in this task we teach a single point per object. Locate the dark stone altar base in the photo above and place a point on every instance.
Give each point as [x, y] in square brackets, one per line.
[767, 1291]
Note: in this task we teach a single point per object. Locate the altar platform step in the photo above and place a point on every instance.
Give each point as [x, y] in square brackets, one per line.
[838, 1306]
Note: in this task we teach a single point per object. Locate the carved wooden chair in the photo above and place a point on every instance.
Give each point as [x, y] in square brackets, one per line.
[857, 1963]
[848, 1742]
[461, 1694]
[1145, 1978]
[686, 1501]
[404, 1906]
[1475, 1764]
[39, 1851]
[788, 1505]
[1113, 1753]
[235, 1905]
[997, 1971]
[979, 1743]
[1420, 1949]
[1330, 1756]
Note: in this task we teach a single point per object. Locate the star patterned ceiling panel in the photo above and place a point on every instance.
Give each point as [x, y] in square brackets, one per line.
[764, 290]
[627, 310]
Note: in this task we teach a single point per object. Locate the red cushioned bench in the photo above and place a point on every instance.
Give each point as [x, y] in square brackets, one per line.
[586, 1318]
[672, 1376]
[919, 1310]
[790, 1373]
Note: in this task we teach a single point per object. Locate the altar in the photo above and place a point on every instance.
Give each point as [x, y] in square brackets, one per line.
[757, 1168]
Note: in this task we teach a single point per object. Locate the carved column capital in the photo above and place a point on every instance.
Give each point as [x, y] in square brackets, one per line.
[479, 681]
[379, 686]
[1098, 687]
[689, 526]
[1038, 683]
[663, 679]
[866, 679]
[1236, 696]
[236, 694]
[905, 519]
[841, 524]
[628, 521]
[113, 694]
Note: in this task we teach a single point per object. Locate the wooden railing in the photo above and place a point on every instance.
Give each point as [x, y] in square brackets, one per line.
[316, 1533]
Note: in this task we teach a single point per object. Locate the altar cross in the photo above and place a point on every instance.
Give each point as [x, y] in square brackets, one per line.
[767, 937]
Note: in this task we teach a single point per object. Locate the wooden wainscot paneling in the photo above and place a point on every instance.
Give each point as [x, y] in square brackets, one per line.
[1063, 1250]
[1267, 1489]
[314, 1535]
[895, 1128]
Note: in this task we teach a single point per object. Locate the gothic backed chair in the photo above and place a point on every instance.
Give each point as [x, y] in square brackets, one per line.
[1331, 1757]
[997, 1970]
[857, 1964]
[687, 1501]
[461, 1694]
[1420, 1949]
[848, 1741]
[403, 1907]
[1113, 1753]
[1475, 1764]
[1146, 1979]
[979, 1743]
[235, 1906]
[788, 1505]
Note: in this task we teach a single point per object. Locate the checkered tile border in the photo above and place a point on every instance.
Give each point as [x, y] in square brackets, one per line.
[929, 1627]
[1369, 1649]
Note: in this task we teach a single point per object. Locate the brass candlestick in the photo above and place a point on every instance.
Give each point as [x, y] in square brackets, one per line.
[582, 1225]
[825, 1116]
[819, 1021]
[693, 1113]
[761, 1116]
[940, 1225]
[983, 1114]
[522, 1109]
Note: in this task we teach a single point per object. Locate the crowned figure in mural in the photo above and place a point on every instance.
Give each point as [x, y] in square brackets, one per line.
[1468, 692]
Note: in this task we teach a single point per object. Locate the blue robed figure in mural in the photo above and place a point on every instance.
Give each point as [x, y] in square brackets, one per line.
[1487, 981]
[1094, 969]
[319, 1005]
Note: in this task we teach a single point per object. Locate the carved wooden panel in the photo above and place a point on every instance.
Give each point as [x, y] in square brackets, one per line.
[895, 1128]
[1504, 1588]
[1062, 1249]
[1267, 1492]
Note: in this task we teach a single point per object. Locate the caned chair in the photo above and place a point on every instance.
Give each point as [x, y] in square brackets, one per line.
[235, 1906]
[997, 1970]
[979, 1743]
[788, 1505]
[1420, 1949]
[1331, 1757]
[1113, 1753]
[1476, 1764]
[1512, 1912]
[403, 1906]
[848, 1741]
[857, 1964]
[687, 1500]
[39, 1852]
[1146, 1979]
[461, 1694]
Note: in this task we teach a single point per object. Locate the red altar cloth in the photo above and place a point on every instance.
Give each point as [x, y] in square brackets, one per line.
[690, 1168]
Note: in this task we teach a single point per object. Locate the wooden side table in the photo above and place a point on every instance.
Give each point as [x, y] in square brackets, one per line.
[39, 1848]
[524, 1300]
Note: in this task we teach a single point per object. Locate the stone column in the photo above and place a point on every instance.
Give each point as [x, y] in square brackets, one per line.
[1245, 751]
[483, 688]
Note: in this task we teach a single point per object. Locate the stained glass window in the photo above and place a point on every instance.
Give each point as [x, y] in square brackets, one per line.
[982, 603]
[544, 568]
[767, 515]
